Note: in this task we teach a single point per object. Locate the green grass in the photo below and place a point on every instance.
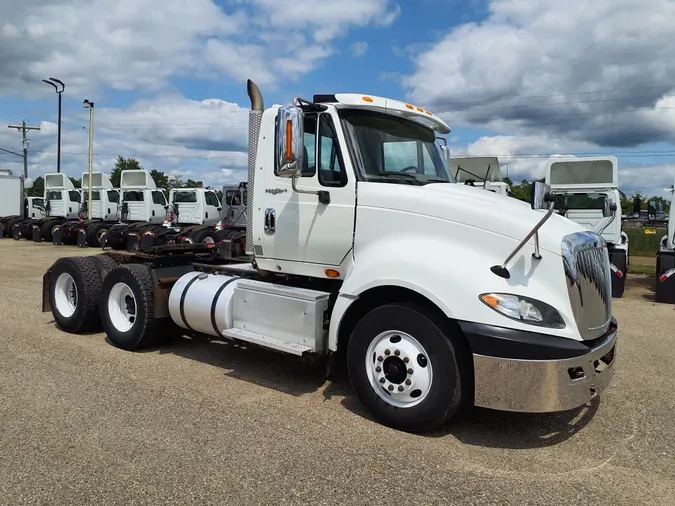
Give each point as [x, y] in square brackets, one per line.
[649, 270]
[641, 244]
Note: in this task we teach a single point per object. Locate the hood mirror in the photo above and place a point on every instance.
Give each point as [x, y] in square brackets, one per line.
[541, 195]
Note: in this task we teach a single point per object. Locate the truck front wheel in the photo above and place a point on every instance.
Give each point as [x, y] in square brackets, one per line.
[407, 369]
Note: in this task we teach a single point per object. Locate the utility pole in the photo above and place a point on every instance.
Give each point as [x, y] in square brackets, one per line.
[23, 128]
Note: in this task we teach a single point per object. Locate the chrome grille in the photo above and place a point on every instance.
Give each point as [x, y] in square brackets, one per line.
[589, 285]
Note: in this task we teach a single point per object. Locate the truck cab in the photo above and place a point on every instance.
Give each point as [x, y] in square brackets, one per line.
[62, 199]
[141, 199]
[481, 171]
[105, 198]
[34, 207]
[234, 206]
[665, 260]
[194, 206]
[586, 191]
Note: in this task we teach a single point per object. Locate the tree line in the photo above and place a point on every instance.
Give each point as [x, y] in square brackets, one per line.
[523, 191]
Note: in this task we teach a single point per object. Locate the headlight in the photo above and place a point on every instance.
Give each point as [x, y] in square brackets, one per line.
[524, 309]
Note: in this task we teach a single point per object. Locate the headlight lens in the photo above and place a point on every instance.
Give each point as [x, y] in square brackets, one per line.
[524, 309]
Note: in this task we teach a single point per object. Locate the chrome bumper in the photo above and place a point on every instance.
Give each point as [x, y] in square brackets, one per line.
[541, 385]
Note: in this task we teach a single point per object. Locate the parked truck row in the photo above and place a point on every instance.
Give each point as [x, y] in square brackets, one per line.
[435, 297]
[136, 215]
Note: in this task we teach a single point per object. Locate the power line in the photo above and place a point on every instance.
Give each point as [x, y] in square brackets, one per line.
[23, 129]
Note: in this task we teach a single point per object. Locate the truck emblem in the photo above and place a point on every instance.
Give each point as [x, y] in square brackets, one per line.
[276, 191]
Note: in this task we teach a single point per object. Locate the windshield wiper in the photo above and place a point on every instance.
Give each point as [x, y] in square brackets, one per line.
[408, 177]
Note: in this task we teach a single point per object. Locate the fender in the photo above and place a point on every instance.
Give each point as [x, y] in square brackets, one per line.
[452, 274]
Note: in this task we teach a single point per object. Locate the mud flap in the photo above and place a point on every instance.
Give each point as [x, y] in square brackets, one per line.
[225, 249]
[37, 236]
[618, 281]
[104, 240]
[57, 236]
[2, 231]
[664, 292]
[46, 302]
[16, 232]
[82, 238]
[132, 241]
[148, 241]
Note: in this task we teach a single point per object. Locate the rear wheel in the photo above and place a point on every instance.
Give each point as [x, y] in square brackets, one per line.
[47, 230]
[9, 229]
[127, 308]
[204, 235]
[95, 233]
[74, 288]
[409, 371]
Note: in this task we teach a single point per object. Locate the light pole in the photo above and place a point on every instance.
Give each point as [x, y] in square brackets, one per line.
[90, 105]
[54, 82]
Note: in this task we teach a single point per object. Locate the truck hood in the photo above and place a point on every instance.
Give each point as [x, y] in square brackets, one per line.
[470, 206]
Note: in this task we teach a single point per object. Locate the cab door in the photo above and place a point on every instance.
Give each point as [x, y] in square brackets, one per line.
[297, 226]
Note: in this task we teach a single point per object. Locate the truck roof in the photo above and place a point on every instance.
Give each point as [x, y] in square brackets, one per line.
[582, 172]
[387, 106]
[58, 180]
[484, 167]
[99, 180]
[137, 178]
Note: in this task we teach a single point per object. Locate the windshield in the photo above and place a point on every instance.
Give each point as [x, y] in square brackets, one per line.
[580, 201]
[392, 149]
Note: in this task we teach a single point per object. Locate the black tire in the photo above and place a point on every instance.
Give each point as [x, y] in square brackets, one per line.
[451, 384]
[88, 285]
[200, 235]
[103, 264]
[145, 329]
[93, 232]
[46, 230]
[618, 258]
[9, 229]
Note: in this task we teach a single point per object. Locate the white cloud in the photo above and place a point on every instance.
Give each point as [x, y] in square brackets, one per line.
[142, 44]
[204, 140]
[525, 158]
[593, 58]
[359, 49]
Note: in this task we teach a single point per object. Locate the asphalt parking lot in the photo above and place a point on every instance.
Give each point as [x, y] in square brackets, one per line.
[199, 422]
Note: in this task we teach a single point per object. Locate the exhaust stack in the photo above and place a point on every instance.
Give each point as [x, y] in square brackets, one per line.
[254, 119]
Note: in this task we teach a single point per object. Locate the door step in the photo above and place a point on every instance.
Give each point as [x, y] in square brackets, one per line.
[266, 341]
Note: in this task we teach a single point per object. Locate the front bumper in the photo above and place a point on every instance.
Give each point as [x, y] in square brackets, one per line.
[538, 373]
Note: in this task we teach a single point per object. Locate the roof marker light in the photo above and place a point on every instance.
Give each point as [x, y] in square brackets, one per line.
[367, 99]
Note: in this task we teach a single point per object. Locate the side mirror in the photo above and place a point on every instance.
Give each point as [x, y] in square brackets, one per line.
[651, 210]
[540, 195]
[27, 183]
[637, 205]
[290, 146]
[219, 209]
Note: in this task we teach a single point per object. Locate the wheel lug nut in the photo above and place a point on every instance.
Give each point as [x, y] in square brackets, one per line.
[397, 353]
[387, 352]
[380, 358]
[408, 382]
[406, 360]
[391, 387]
[378, 369]
[410, 371]
[400, 388]
[381, 380]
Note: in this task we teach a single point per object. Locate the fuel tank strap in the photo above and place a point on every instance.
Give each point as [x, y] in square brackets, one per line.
[182, 302]
[215, 302]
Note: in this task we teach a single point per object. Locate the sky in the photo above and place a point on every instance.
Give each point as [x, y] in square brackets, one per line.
[519, 79]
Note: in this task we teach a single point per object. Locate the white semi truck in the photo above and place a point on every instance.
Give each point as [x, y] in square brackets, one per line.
[15, 206]
[586, 191]
[435, 296]
[480, 171]
[104, 213]
[62, 203]
[665, 261]
[142, 203]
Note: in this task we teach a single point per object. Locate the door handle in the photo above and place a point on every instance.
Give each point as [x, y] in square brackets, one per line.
[270, 221]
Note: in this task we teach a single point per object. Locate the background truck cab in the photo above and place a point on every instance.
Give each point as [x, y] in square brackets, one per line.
[586, 191]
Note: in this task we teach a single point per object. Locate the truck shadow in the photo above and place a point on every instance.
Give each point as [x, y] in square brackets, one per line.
[640, 287]
[277, 371]
[495, 429]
